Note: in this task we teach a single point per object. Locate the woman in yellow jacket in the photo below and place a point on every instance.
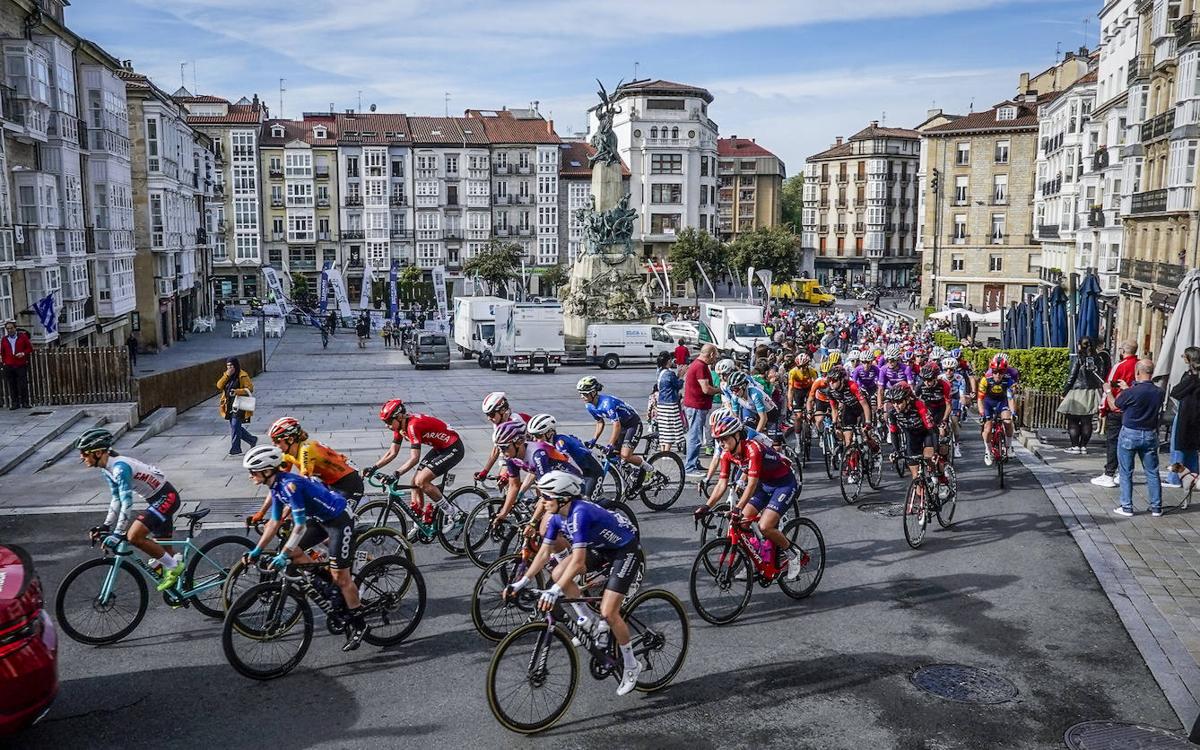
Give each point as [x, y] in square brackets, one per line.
[236, 382]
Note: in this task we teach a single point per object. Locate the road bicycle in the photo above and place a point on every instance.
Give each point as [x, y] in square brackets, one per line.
[534, 671]
[716, 525]
[725, 570]
[103, 600]
[800, 443]
[860, 462]
[924, 501]
[394, 510]
[269, 629]
[997, 446]
[663, 480]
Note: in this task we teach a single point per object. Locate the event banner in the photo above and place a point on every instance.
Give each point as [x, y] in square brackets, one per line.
[439, 291]
[364, 298]
[338, 287]
[273, 283]
[392, 289]
[323, 290]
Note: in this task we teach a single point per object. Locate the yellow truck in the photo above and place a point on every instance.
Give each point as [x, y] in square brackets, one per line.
[804, 291]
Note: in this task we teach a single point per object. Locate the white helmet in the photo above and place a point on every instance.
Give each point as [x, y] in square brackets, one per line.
[494, 401]
[853, 355]
[726, 366]
[540, 424]
[560, 485]
[507, 433]
[949, 363]
[262, 457]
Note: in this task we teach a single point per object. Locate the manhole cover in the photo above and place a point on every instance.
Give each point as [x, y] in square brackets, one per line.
[959, 682]
[1114, 735]
[883, 509]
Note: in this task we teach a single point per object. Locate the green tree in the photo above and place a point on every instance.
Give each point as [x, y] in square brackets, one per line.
[555, 277]
[300, 289]
[793, 202]
[407, 281]
[695, 249]
[774, 248]
[498, 264]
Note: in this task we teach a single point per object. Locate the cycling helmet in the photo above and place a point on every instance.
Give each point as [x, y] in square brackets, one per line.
[726, 427]
[507, 433]
[494, 401]
[949, 363]
[853, 356]
[833, 357]
[906, 357]
[284, 427]
[893, 352]
[95, 439]
[736, 379]
[263, 457]
[726, 366]
[588, 384]
[956, 353]
[898, 392]
[1000, 361]
[391, 410]
[717, 415]
[937, 353]
[802, 360]
[929, 371]
[560, 485]
[837, 372]
[541, 424]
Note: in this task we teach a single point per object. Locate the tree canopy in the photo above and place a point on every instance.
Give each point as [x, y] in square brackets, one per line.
[693, 246]
[498, 264]
[773, 248]
[793, 201]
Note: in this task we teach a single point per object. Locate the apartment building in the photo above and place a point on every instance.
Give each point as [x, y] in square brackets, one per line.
[1159, 206]
[1068, 186]
[668, 141]
[233, 218]
[750, 181]
[860, 207]
[173, 168]
[574, 193]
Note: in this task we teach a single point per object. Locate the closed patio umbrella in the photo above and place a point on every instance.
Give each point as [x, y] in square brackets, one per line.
[1088, 322]
[1058, 317]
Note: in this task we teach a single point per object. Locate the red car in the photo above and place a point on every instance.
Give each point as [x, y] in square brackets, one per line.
[28, 644]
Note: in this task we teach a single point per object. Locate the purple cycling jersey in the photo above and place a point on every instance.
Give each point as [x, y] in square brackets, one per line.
[866, 376]
[889, 376]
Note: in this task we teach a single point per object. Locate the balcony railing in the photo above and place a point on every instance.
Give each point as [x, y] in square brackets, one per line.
[1139, 68]
[1149, 202]
[860, 228]
[1047, 231]
[352, 234]
[276, 236]
[840, 228]
[164, 286]
[502, 169]
[352, 200]
[275, 173]
[1187, 31]
[322, 173]
[1158, 127]
[326, 236]
[398, 200]
[322, 203]
[201, 236]
[401, 234]
[843, 178]
[277, 203]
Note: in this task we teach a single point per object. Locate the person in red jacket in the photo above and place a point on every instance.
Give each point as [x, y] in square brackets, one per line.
[15, 351]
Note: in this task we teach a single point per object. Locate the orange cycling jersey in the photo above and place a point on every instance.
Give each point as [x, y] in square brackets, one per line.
[820, 390]
[320, 461]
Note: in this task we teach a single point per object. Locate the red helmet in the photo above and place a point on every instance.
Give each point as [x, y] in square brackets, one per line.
[391, 410]
[1000, 361]
[284, 427]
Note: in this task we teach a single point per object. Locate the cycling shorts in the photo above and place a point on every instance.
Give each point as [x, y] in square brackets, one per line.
[820, 407]
[442, 460]
[631, 434]
[625, 569]
[339, 530]
[993, 407]
[935, 413]
[159, 515]
[776, 497]
[589, 484]
[914, 442]
[350, 487]
[851, 415]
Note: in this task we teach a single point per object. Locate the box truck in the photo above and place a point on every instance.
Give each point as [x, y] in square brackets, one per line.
[735, 327]
[474, 323]
[528, 336]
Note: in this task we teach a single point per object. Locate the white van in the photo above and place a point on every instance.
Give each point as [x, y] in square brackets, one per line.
[611, 345]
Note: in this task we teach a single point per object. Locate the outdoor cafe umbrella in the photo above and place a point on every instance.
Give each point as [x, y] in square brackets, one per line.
[1088, 322]
[1007, 319]
[1183, 330]
[1058, 317]
[1037, 334]
[1021, 336]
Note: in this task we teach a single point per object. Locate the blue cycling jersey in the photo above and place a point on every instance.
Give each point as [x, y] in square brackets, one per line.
[541, 458]
[307, 497]
[588, 526]
[578, 452]
[613, 409]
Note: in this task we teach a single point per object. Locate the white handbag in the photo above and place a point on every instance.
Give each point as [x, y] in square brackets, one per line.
[243, 403]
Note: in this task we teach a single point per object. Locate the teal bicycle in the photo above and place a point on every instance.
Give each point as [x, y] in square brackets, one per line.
[104, 600]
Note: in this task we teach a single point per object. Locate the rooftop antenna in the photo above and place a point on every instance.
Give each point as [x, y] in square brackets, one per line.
[281, 90]
[635, 69]
[1087, 22]
[972, 104]
[182, 80]
[359, 101]
[883, 120]
[446, 102]
[1057, 51]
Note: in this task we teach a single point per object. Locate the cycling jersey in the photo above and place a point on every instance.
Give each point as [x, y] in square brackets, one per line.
[588, 526]
[579, 453]
[890, 376]
[422, 429]
[320, 461]
[935, 393]
[820, 390]
[848, 394]
[867, 377]
[128, 477]
[540, 458]
[995, 385]
[755, 402]
[756, 460]
[307, 497]
[915, 417]
[801, 378]
[613, 409]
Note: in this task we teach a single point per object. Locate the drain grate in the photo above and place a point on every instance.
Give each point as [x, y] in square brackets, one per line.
[962, 683]
[882, 509]
[39, 413]
[1115, 735]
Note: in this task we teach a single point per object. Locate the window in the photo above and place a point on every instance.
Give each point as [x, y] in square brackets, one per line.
[1002, 152]
[1006, 113]
[1000, 189]
[276, 131]
[277, 228]
[960, 190]
[451, 163]
[963, 155]
[960, 229]
[664, 223]
[666, 193]
[397, 168]
[704, 166]
[352, 166]
[665, 104]
[1182, 169]
[6, 298]
[298, 164]
[957, 262]
[995, 263]
[666, 164]
[998, 229]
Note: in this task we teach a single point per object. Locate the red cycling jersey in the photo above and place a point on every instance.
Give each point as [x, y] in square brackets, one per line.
[422, 429]
[757, 460]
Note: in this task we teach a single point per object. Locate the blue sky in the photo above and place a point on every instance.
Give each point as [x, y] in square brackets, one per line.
[791, 73]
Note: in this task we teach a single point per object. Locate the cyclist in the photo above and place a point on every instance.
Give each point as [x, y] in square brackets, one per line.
[320, 514]
[497, 410]
[445, 451]
[750, 401]
[959, 388]
[818, 404]
[866, 376]
[890, 374]
[993, 400]
[545, 427]
[909, 420]
[800, 380]
[127, 477]
[770, 485]
[536, 458]
[849, 403]
[721, 371]
[626, 424]
[314, 460]
[596, 536]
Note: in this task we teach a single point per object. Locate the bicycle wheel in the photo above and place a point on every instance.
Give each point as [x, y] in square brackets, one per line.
[829, 454]
[217, 557]
[999, 461]
[712, 528]
[610, 488]
[493, 617]
[393, 597]
[374, 513]
[532, 677]
[945, 514]
[914, 514]
[88, 615]
[720, 596]
[850, 477]
[875, 468]
[378, 542]
[805, 535]
[622, 509]
[259, 636]
[240, 579]
[664, 482]
[483, 541]
[451, 527]
[659, 635]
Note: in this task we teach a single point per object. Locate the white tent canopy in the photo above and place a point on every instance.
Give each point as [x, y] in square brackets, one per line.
[1183, 330]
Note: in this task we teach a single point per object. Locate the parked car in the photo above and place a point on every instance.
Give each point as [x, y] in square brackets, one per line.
[28, 644]
[687, 330]
[430, 349]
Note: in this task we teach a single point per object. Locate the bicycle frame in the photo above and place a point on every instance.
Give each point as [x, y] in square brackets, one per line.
[127, 550]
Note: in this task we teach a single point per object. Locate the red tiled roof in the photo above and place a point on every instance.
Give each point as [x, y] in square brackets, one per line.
[203, 99]
[237, 114]
[659, 86]
[740, 147]
[573, 160]
[502, 126]
[873, 131]
[1027, 118]
[447, 131]
[833, 153]
[133, 79]
[301, 130]
[379, 124]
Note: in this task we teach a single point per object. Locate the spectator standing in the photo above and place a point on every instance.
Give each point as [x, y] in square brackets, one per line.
[698, 390]
[1081, 396]
[131, 343]
[1139, 405]
[668, 411]
[1185, 432]
[681, 353]
[236, 382]
[362, 328]
[333, 321]
[1110, 413]
[15, 350]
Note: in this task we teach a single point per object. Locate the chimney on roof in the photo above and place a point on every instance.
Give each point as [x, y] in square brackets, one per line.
[127, 64]
[874, 123]
[550, 127]
[254, 101]
[932, 113]
[1023, 83]
[837, 141]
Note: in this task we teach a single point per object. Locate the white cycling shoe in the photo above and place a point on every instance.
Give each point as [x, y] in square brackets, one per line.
[629, 678]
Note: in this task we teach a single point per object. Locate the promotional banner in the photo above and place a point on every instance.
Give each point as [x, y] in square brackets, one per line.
[392, 289]
[323, 289]
[275, 285]
[364, 298]
[337, 286]
[750, 283]
[439, 291]
[766, 276]
[703, 275]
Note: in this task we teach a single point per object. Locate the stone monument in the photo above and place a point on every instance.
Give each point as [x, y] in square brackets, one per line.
[607, 284]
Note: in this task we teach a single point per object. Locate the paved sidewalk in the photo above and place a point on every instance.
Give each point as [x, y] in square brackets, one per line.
[1148, 567]
[201, 347]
